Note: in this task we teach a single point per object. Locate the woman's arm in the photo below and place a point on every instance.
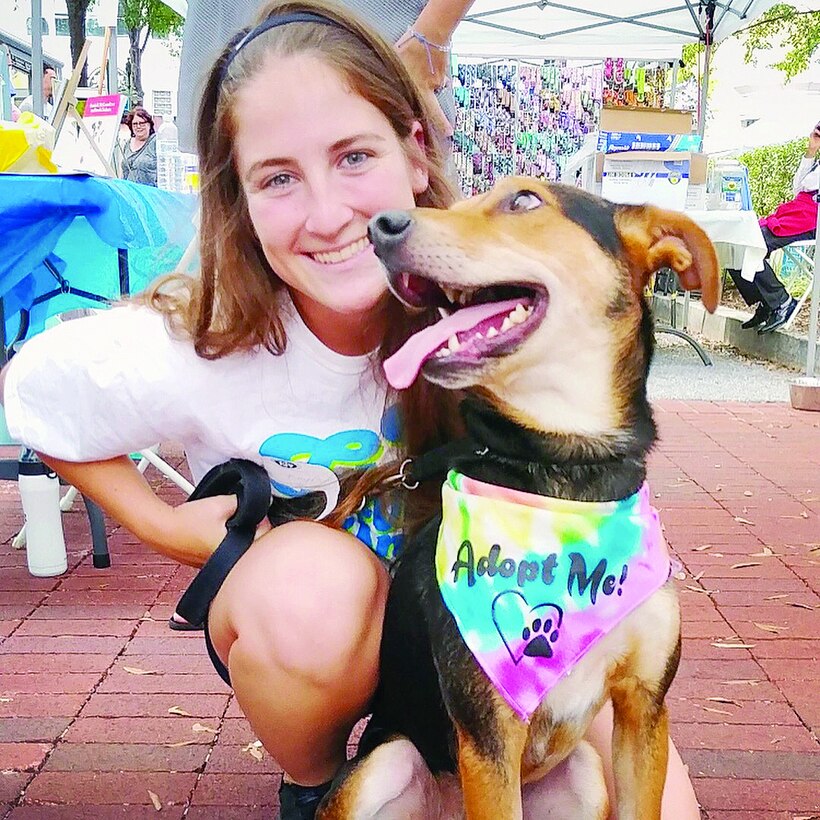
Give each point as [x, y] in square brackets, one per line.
[807, 176]
[427, 62]
[188, 533]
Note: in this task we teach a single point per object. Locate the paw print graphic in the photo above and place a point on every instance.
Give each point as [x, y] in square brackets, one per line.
[543, 631]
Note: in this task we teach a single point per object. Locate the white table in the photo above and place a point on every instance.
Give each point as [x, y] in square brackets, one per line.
[737, 238]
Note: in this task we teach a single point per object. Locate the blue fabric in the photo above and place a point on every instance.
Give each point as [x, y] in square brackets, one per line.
[77, 223]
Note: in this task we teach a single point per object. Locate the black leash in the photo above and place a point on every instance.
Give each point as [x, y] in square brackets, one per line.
[250, 484]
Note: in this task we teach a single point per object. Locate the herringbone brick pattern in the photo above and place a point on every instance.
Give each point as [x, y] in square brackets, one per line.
[105, 713]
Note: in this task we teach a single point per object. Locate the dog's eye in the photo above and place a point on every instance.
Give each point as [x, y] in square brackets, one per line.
[524, 201]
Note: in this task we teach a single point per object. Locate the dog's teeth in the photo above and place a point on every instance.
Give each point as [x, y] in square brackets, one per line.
[444, 352]
[506, 324]
[492, 332]
[443, 312]
[453, 343]
[451, 294]
[520, 311]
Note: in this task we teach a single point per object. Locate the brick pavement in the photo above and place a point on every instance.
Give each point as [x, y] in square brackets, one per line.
[104, 710]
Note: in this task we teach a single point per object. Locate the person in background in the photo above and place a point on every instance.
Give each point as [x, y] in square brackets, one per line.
[49, 75]
[793, 221]
[139, 162]
[420, 30]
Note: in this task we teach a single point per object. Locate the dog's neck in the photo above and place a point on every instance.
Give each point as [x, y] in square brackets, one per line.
[562, 466]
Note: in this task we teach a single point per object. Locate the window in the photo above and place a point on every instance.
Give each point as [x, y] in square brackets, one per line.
[161, 101]
[43, 26]
[92, 27]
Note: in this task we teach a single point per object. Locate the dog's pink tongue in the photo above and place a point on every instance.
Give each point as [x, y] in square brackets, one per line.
[403, 366]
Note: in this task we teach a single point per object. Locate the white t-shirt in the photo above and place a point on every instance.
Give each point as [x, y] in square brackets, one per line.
[118, 382]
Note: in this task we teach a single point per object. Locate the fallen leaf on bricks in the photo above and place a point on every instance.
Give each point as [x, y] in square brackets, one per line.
[155, 800]
[743, 682]
[804, 514]
[702, 547]
[718, 488]
[135, 670]
[254, 749]
[704, 591]
[6, 700]
[744, 564]
[741, 520]
[770, 627]
[725, 700]
[716, 711]
[800, 606]
[747, 493]
[733, 645]
[681, 576]
[201, 727]
[699, 575]
[763, 553]
[181, 743]
[777, 597]
[175, 710]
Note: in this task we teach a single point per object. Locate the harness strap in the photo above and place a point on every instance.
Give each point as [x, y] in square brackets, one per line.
[250, 484]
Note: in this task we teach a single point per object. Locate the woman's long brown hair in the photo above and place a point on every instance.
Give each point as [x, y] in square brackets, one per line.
[234, 304]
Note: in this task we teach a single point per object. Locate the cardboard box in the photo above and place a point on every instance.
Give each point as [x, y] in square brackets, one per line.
[646, 120]
[697, 162]
[664, 184]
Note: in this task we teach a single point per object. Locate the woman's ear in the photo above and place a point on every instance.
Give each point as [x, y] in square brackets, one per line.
[418, 158]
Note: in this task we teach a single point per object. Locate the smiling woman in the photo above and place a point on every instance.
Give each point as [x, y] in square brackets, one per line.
[140, 154]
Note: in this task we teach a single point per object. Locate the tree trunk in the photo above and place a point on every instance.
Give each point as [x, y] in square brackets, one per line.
[135, 57]
[76, 28]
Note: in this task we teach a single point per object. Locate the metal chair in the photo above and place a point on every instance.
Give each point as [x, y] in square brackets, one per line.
[794, 266]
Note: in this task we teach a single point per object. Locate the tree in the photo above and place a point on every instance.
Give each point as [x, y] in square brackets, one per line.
[797, 31]
[144, 19]
[76, 10]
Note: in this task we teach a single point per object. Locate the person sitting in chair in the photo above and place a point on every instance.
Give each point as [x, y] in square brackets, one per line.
[793, 221]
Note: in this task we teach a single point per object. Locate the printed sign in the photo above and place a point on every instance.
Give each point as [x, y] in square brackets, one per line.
[637, 182]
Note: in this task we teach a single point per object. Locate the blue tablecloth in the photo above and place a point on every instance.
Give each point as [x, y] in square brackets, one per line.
[77, 224]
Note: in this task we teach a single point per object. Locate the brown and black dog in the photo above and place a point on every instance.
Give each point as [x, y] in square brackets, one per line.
[556, 406]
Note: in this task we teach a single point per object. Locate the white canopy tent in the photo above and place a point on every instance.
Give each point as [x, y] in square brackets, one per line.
[645, 29]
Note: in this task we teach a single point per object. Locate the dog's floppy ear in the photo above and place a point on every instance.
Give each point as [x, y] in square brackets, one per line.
[654, 238]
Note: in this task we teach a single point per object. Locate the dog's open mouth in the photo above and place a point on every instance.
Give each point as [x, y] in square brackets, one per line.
[476, 324]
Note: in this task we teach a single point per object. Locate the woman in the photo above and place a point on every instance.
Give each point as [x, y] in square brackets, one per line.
[272, 354]
[793, 221]
[139, 163]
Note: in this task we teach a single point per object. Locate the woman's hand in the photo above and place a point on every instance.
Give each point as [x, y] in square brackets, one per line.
[419, 59]
[198, 527]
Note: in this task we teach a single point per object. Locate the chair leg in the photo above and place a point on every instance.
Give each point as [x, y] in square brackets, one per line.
[99, 542]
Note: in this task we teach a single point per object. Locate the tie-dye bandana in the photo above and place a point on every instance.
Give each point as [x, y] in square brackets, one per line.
[535, 582]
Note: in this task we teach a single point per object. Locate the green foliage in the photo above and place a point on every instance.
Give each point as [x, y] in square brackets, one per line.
[771, 170]
[159, 19]
[782, 24]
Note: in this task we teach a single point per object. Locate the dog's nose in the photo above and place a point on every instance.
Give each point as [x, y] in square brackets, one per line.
[389, 228]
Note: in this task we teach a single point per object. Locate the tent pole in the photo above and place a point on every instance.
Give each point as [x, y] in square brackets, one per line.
[814, 308]
[704, 88]
[37, 57]
[673, 93]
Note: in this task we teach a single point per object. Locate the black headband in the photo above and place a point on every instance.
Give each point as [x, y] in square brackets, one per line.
[274, 22]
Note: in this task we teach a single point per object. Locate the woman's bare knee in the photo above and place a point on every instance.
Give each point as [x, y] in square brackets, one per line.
[310, 597]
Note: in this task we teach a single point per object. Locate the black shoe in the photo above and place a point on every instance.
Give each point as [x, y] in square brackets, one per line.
[762, 312]
[300, 802]
[779, 317]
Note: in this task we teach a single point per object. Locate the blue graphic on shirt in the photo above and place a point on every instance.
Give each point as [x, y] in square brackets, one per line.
[299, 464]
[348, 448]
